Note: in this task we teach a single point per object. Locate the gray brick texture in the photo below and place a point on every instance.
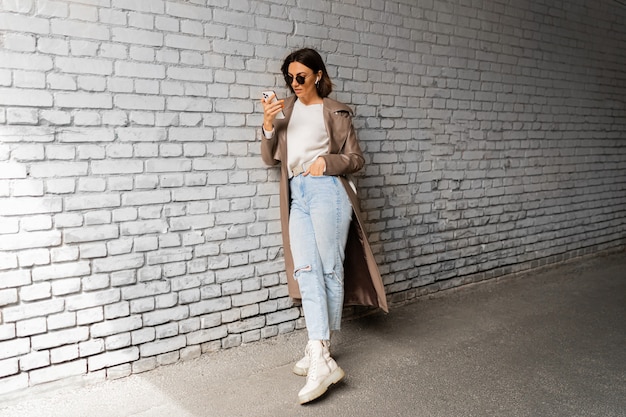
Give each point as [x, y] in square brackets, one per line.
[138, 225]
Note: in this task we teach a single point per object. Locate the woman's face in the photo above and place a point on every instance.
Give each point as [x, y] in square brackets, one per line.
[306, 91]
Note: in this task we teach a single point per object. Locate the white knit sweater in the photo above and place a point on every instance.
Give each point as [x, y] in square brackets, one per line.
[306, 135]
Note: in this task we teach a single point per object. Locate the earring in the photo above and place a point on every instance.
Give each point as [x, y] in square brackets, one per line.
[317, 80]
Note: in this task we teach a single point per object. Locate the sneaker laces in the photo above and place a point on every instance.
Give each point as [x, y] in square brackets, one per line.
[313, 363]
[312, 373]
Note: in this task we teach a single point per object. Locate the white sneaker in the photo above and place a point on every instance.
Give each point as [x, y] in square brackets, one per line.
[302, 366]
[323, 372]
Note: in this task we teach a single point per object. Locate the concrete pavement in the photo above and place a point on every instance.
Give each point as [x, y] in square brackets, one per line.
[549, 343]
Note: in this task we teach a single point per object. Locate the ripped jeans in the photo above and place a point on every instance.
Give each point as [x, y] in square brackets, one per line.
[319, 220]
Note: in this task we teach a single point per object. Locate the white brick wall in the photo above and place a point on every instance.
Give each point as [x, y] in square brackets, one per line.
[138, 225]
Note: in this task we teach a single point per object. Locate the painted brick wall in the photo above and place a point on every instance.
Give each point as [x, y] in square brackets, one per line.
[138, 225]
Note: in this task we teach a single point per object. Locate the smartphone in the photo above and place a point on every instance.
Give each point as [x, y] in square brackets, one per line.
[266, 96]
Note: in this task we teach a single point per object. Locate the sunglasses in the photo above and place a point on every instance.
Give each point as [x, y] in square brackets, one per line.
[300, 79]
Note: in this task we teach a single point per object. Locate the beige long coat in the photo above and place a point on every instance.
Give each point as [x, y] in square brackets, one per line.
[362, 281]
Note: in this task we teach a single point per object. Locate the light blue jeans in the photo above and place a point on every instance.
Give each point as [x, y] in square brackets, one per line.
[319, 220]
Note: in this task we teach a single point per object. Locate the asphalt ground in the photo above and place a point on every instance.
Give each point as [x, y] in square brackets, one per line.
[547, 343]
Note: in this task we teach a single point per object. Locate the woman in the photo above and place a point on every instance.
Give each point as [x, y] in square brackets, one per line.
[323, 236]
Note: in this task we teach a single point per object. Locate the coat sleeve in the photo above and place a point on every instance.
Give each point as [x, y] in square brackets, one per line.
[269, 148]
[350, 157]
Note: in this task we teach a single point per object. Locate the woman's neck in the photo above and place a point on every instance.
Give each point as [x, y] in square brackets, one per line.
[307, 101]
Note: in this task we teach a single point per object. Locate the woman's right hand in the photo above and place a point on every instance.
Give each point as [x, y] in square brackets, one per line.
[270, 110]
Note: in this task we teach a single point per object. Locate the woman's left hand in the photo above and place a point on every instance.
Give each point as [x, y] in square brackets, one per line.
[317, 168]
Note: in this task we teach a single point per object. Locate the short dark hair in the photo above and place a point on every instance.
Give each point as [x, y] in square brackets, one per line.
[311, 59]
